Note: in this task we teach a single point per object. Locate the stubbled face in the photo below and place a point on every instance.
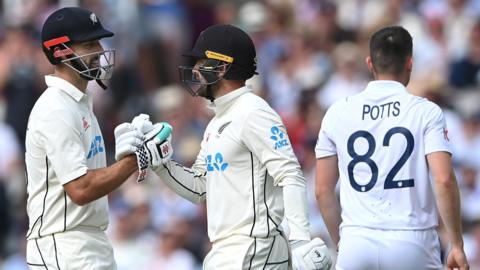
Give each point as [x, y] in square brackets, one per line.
[85, 48]
[202, 91]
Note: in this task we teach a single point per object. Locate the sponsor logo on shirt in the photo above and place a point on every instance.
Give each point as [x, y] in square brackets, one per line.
[95, 147]
[445, 135]
[222, 128]
[218, 164]
[279, 138]
[86, 125]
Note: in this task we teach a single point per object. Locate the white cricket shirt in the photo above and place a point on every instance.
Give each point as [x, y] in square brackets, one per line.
[245, 158]
[381, 137]
[63, 141]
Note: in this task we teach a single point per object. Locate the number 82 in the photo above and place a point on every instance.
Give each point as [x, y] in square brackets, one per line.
[390, 183]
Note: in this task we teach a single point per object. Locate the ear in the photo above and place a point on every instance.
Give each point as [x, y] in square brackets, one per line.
[369, 63]
[409, 64]
[223, 69]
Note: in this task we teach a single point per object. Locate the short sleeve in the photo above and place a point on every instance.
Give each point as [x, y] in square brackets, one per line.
[266, 137]
[436, 132]
[63, 144]
[325, 145]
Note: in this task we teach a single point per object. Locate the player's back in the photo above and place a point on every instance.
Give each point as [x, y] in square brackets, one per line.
[381, 137]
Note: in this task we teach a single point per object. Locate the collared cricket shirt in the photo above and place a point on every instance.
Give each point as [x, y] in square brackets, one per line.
[63, 141]
[381, 137]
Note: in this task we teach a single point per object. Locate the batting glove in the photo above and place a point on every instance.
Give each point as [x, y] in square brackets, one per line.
[127, 140]
[142, 122]
[156, 149]
[310, 255]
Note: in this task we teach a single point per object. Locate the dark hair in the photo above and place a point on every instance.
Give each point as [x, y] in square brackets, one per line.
[390, 48]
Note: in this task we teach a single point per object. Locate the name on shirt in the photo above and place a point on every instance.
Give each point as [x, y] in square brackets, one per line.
[390, 109]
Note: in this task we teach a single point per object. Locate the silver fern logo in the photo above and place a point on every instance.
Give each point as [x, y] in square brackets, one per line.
[93, 18]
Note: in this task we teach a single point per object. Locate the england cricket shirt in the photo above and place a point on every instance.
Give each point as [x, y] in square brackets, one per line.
[381, 137]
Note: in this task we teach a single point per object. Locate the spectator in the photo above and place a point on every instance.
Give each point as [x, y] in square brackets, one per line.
[169, 253]
[465, 72]
[347, 79]
[21, 81]
[298, 42]
[472, 245]
[130, 238]
[470, 190]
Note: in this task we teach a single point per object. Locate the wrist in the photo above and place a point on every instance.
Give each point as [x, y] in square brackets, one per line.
[131, 160]
[457, 244]
[299, 236]
[128, 164]
[297, 243]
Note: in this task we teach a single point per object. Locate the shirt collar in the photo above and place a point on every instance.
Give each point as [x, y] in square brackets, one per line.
[222, 103]
[385, 86]
[65, 86]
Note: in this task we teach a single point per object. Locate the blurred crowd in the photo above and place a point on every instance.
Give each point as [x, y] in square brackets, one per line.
[310, 54]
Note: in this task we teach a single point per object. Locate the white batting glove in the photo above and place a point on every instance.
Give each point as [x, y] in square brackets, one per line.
[127, 140]
[156, 149]
[158, 142]
[311, 255]
[142, 122]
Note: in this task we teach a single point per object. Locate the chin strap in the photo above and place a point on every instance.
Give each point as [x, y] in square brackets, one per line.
[77, 64]
[209, 93]
[102, 85]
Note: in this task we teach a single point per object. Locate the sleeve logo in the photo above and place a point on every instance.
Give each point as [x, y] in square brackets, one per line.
[279, 138]
[445, 134]
[216, 165]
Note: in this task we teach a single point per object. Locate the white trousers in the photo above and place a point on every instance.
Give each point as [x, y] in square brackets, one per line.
[71, 250]
[242, 252]
[370, 249]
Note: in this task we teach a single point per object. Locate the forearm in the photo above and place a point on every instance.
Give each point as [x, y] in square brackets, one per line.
[183, 181]
[448, 202]
[330, 209]
[100, 182]
[326, 181]
[296, 212]
[447, 195]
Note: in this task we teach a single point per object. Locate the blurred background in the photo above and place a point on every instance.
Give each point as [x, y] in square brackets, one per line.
[310, 53]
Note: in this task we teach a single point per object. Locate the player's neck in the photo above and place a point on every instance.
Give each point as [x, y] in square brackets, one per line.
[228, 86]
[391, 77]
[72, 77]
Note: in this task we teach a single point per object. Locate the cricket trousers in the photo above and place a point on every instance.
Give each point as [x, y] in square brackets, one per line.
[373, 249]
[243, 252]
[71, 250]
